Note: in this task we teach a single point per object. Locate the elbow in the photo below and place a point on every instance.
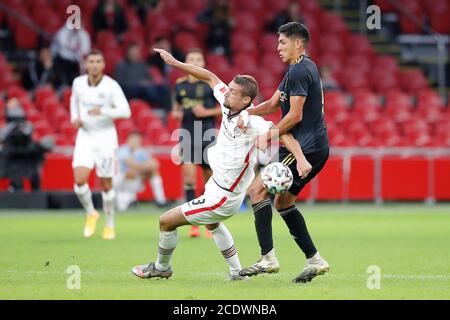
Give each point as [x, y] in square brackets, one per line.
[296, 119]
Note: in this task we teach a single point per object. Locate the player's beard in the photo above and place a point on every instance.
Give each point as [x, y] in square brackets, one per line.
[227, 105]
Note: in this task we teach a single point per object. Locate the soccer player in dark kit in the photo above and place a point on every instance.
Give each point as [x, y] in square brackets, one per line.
[301, 100]
[195, 105]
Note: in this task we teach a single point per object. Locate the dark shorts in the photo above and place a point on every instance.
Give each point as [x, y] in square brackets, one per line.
[195, 154]
[317, 159]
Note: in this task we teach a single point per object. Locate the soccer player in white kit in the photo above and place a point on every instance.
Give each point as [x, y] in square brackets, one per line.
[95, 102]
[231, 159]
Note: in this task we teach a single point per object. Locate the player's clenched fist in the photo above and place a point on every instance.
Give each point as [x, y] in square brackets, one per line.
[303, 167]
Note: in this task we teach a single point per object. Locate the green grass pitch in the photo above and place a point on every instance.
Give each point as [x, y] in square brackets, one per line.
[408, 242]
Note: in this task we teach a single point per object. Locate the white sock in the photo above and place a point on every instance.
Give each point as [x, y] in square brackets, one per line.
[84, 195]
[167, 243]
[124, 199]
[109, 206]
[158, 189]
[225, 243]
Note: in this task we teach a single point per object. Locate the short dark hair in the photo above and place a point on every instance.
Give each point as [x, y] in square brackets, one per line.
[295, 29]
[95, 52]
[248, 84]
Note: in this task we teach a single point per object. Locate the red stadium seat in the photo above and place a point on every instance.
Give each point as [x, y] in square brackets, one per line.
[268, 43]
[382, 81]
[359, 44]
[333, 61]
[217, 63]
[244, 43]
[412, 81]
[330, 43]
[386, 62]
[353, 80]
[246, 22]
[186, 41]
[331, 21]
[273, 64]
[16, 92]
[186, 20]
[65, 97]
[33, 115]
[438, 13]
[41, 94]
[385, 5]
[407, 24]
[158, 24]
[138, 106]
[26, 38]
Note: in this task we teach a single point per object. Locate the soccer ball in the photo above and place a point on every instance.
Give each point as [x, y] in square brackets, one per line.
[276, 177]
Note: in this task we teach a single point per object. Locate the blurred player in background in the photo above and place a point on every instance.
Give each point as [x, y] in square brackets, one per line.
[135, 168]
[231, 159]
[195, 104]
[300, 97]
[95, 102]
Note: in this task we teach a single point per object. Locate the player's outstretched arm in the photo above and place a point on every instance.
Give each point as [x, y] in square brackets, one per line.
[198, 72]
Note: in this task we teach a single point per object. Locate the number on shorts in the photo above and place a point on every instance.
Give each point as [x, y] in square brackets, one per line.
[197, 202]
[107, 163]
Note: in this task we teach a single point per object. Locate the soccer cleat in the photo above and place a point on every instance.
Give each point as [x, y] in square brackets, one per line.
[90, 224]
[150, 271]
[109, 233]
[268, 263]
[236, 277]
[315, 266]
[208, 234]
[194, 232]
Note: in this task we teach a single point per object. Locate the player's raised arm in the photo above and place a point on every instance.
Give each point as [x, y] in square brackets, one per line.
[266, 107]
[199, 73]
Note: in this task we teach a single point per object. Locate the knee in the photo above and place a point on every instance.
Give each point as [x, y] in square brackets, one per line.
[164, 223]
[282, 204]
[80, 181]
[106, 186]
[257, 193]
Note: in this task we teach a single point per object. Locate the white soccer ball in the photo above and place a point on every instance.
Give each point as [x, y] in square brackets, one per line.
[276, 177]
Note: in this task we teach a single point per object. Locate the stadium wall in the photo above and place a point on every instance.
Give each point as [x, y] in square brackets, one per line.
[349, 175]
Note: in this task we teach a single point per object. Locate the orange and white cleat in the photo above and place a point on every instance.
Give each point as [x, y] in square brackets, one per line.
[194, 232]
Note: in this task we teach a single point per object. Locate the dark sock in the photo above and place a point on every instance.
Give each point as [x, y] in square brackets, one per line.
[189, 191]
[297, 227]
[263, 224]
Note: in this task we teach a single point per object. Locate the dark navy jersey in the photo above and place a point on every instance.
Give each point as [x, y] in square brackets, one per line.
[303, 79]
[190, 94]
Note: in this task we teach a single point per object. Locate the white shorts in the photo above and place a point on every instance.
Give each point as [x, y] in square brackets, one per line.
[214, 206]
[104, 159]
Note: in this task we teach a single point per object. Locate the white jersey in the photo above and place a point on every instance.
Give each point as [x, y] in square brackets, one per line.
[232, 158]
[107, 95]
